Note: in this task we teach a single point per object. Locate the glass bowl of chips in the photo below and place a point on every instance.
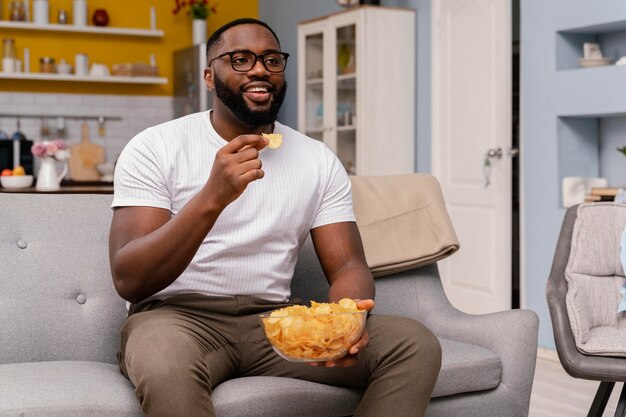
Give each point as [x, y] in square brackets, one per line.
[322, 332]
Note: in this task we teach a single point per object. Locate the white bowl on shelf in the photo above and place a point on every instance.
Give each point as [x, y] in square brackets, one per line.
[594, 62]
[16, 182]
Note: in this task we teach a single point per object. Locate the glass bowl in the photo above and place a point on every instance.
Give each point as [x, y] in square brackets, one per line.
[313, 337]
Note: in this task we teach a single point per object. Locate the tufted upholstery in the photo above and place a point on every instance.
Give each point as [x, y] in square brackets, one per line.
[583, 295]
[61, 318]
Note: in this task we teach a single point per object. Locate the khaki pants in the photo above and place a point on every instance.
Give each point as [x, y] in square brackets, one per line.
[175, 351]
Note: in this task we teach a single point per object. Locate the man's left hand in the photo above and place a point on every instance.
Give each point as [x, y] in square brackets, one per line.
[351, 358]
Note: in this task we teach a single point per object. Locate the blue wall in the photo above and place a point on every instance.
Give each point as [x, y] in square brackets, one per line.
[283, 16]
[571, 116]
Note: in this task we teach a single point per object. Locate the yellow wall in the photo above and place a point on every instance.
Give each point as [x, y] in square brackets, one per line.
[116, 49]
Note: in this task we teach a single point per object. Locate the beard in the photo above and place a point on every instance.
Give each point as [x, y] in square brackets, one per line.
[235, 101]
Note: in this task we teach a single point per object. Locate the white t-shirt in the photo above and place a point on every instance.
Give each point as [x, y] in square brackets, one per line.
[253, 246]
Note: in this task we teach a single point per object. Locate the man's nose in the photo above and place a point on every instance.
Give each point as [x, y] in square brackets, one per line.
[259, 67]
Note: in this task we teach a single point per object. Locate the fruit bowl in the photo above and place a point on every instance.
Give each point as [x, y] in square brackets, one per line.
[16, 181]
[299, 336]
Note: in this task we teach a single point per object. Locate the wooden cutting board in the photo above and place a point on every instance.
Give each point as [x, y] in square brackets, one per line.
[85, 158]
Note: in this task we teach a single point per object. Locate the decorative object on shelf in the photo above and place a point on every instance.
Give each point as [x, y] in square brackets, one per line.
[41, 12]
[81, 64]
[592, 56]
[575, 189]
[99, 70]
[26, 60]
[17, 11]
[79, 12]
[48, 152]
[199, 11]
[153, 24]
[63, 67]
[62, 17]
[100, 17]
[8, 55]
[622, 150]
[47, 65]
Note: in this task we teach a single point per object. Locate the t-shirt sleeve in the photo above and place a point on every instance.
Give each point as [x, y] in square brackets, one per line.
[336, 203]
[139, 178]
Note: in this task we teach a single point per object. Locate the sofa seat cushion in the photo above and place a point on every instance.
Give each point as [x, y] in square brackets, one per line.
[259, 396]
[66, 389]
[465, 368]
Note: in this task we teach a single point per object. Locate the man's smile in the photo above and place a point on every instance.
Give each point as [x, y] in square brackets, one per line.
[258, 93]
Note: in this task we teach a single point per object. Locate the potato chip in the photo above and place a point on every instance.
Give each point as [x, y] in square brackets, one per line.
[324, 331]
[275, 140]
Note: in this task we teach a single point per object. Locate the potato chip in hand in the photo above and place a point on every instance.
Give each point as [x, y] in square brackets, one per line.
[275, 140]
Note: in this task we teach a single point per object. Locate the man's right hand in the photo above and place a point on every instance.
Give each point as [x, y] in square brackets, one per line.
[236, 165]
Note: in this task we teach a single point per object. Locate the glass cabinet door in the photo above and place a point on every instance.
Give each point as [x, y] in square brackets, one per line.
[314, 91]
[345, 37]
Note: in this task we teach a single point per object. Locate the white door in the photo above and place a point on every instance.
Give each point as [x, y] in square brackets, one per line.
[471, 115]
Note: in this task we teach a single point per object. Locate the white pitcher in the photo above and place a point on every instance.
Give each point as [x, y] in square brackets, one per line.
[47, 177]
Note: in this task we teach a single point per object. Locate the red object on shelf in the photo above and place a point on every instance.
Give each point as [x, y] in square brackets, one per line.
[100, 17]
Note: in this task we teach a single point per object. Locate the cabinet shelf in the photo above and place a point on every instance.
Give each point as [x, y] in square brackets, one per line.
[96, 30]
[77, 78]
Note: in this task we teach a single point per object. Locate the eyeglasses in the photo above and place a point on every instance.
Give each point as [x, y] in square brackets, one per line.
[244, 61]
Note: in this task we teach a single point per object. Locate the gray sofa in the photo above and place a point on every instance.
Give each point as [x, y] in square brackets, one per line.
[60, 319]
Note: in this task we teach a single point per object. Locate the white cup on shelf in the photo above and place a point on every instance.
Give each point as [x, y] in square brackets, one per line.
[8, 65]
[79, 12]
[41, 12]
[81, 64]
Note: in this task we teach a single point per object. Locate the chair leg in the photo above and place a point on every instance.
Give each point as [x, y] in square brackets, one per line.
[601, 398]
[620, 411]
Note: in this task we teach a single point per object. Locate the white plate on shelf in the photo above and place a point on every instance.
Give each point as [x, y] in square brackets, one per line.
[594, 62]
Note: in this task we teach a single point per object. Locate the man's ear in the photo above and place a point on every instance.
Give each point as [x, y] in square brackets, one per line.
[208, 79]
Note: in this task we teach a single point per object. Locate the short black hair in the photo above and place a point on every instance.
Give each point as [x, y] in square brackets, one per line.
[216, 37]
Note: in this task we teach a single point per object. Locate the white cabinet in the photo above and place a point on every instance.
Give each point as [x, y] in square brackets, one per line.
[356, 87]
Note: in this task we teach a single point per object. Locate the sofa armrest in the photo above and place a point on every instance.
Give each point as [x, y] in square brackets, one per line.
[512, 334]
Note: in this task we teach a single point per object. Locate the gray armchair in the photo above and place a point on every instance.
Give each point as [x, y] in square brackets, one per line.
[583, 296]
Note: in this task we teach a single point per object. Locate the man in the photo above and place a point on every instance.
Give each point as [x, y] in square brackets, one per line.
[205, 235]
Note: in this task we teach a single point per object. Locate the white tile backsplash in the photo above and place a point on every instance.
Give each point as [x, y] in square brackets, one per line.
[136, 113]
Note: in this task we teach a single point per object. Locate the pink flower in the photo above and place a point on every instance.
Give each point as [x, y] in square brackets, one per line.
[56, 149]
[39, 149]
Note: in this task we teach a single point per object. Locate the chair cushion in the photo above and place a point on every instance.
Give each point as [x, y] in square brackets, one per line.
[594, 277]
[66, 389]
[465, 368]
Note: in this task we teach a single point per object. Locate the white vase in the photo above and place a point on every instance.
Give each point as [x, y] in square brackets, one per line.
[47, 177]
[198, 31]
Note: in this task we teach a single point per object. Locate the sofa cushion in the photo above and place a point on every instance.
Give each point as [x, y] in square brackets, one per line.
[465, 368]
[257, 396]
[57, 299]
[66, 389]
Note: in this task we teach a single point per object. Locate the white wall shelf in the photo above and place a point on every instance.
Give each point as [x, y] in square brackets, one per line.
[97, 30]
[90, 79]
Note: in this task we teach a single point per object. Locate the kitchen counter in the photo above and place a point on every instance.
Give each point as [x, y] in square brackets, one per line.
[75, 189]
[69, 187]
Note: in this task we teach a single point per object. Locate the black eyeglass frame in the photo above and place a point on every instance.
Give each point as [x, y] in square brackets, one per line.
[261, 57]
